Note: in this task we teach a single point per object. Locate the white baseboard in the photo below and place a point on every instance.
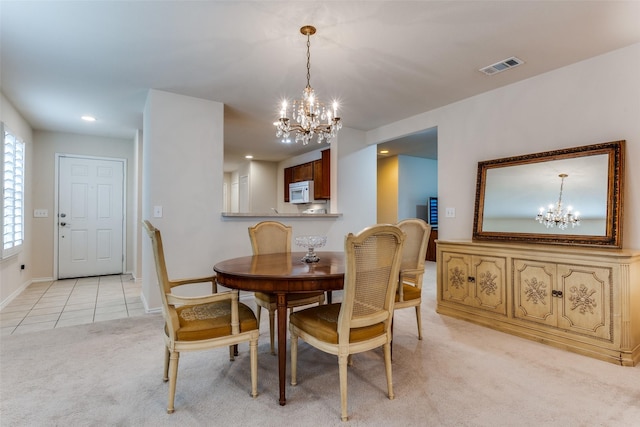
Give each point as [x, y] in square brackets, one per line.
[15, 293]
[146, 306]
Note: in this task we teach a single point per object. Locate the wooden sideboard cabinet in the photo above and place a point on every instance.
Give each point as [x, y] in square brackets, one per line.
[585, 300]
[475, 281]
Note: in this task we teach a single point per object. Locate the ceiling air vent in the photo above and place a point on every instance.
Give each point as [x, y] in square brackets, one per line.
[502, 65]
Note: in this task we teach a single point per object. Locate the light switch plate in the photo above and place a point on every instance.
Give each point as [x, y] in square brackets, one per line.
[157, 211]
[40, 213]
[450, 212]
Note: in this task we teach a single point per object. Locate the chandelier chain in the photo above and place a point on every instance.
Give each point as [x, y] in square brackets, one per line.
[308, 60]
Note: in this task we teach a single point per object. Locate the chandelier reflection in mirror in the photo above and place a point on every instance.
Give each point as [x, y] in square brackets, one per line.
[309, 116]
[556, 215]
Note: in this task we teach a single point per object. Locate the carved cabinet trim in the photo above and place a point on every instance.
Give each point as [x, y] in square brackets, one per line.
[580, 299]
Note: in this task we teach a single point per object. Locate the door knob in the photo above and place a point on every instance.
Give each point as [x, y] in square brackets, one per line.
[62, 224]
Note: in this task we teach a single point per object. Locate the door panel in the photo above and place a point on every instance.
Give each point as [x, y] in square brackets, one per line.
[586, 302]
[90, 217]
[533, 287]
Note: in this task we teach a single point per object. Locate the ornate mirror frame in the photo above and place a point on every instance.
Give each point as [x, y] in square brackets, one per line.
[552, 164]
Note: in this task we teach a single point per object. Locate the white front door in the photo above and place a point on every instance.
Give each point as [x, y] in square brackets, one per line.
[90, 216]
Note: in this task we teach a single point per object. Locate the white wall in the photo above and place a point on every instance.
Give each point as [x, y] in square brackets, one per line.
[12, 279]
[417, 181]
[182, 158]
[263, 180]
[186, 179]
[594, 101]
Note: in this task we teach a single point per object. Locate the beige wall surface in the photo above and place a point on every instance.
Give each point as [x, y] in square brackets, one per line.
[46, 146]
[589, 102]
[387, 191]
[12, 278]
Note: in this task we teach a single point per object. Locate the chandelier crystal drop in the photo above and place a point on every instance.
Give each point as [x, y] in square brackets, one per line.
[556, 215]
[310, 117]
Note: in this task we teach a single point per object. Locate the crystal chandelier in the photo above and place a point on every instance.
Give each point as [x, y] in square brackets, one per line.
[309, 116]
[556, 216]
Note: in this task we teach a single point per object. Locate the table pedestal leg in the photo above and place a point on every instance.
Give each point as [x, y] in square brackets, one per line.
[282, 345]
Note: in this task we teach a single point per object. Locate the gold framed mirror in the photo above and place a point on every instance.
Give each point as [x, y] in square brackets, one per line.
[571, 196]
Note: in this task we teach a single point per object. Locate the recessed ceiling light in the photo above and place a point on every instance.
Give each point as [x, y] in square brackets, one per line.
[384, 151]
[248, 156]
[88, 118]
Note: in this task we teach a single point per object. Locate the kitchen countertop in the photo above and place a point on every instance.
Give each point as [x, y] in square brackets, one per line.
[280, 215]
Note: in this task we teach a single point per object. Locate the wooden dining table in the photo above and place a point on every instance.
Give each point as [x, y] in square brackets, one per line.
[282, 274]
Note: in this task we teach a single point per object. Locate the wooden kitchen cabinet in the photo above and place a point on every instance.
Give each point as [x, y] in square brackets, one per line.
[586, 300]
[322, 176]
[288, 179]
[303, 172]
[318, 171]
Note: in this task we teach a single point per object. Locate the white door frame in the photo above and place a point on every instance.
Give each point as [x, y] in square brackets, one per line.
[55, 206]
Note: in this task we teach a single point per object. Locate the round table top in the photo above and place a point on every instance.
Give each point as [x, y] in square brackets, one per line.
[282, 272]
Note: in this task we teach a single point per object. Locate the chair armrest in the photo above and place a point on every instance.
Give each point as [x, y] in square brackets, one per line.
[204, 299]
[411, 272]
[407, 272]
[195, 280]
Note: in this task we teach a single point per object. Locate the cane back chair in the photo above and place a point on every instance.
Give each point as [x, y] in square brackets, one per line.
[412, 267]
[363, 320]
[269, 237]
[200, 323]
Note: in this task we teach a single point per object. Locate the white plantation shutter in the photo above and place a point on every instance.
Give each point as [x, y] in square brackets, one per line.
[12, 194]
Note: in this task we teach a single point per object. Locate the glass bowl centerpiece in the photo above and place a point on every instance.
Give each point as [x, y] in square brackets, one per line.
[311, 243]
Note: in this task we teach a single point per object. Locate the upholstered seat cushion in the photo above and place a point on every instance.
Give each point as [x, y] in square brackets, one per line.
[322, 322]
[212, 320]
[291, 297]
[409, 292]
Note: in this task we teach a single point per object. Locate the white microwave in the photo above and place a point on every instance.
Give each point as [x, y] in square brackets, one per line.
[301, 192]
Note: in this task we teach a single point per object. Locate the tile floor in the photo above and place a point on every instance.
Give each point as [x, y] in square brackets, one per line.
[59, 303]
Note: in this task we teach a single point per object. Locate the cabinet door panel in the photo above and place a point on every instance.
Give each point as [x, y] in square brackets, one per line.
[456, 272]
[490, 279]
[532, 289]
[585, 306]
[303, 172]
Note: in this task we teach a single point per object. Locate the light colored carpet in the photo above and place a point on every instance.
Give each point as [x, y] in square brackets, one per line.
[110, 374]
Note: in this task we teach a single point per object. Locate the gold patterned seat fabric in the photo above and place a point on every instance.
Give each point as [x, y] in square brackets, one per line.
[362, 321]
[200, 323]
[213, 320]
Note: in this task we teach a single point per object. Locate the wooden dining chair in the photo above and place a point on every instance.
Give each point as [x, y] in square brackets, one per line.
[269, 237]
[200, 323]
[363, 320]
[414, 252]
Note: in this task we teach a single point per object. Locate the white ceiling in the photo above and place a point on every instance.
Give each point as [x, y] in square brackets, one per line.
[384, 60]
